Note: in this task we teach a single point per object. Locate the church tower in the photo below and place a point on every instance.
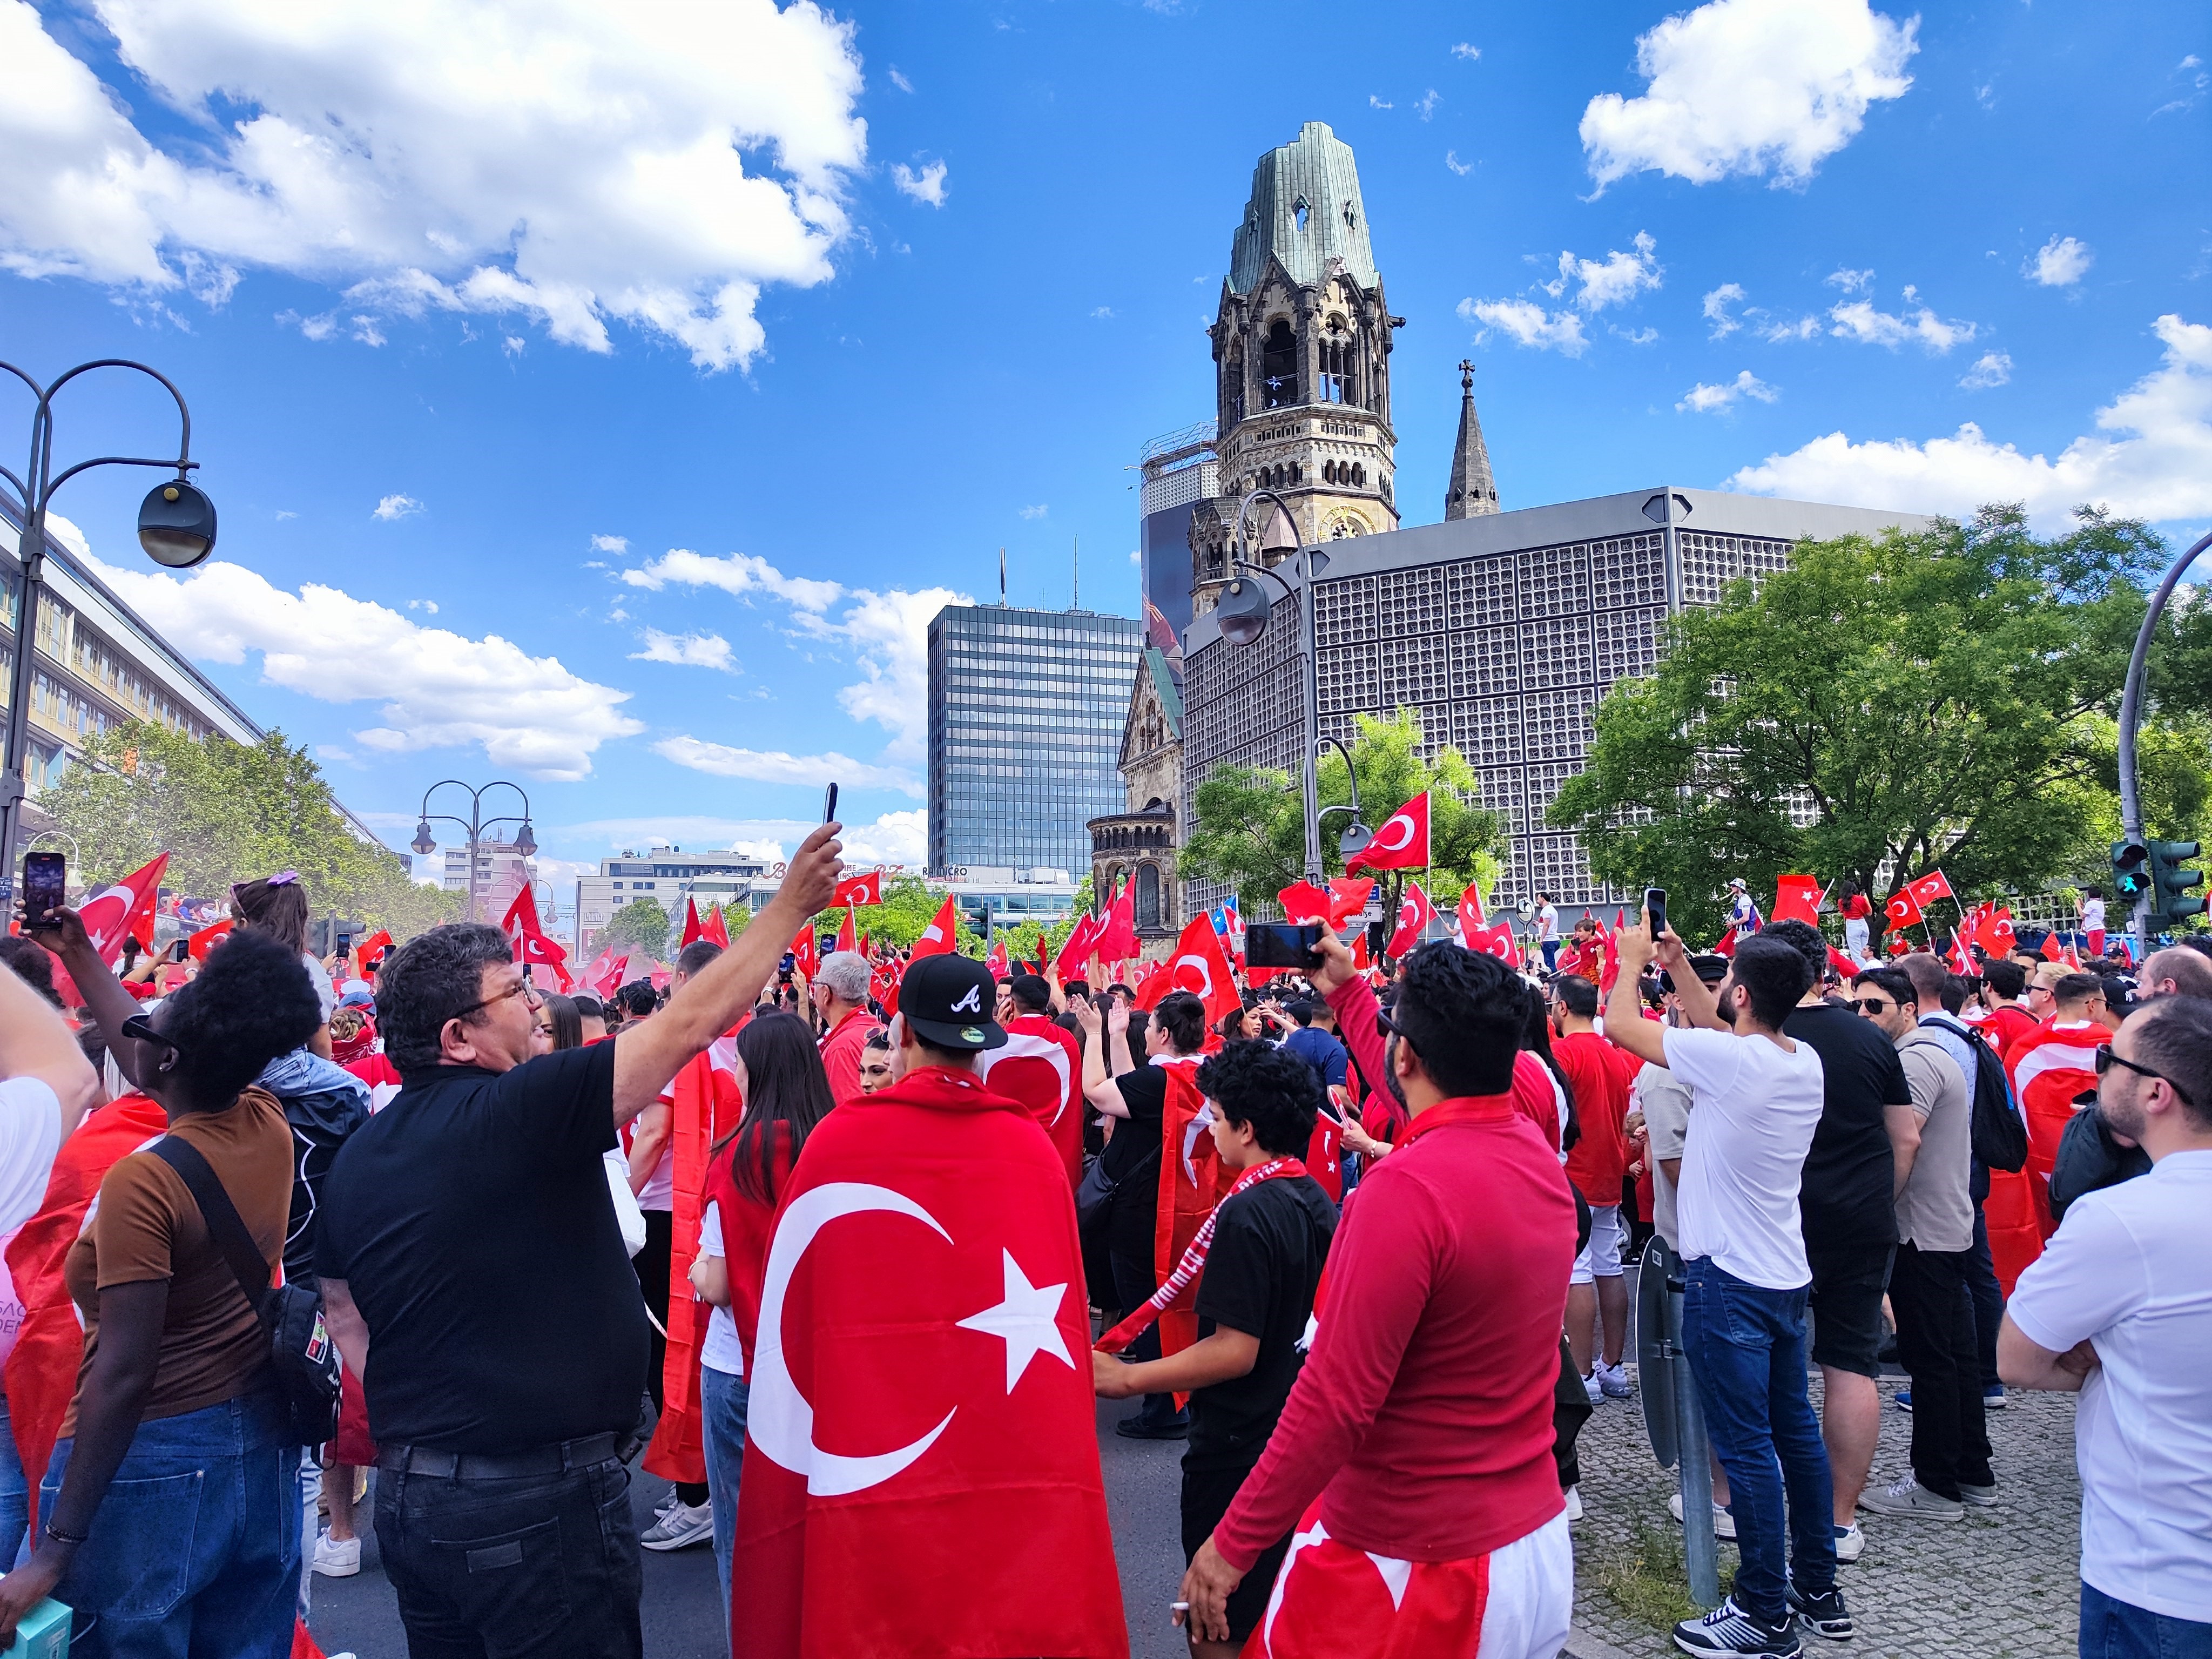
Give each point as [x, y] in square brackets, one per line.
[1472, 491]
[1302, 361]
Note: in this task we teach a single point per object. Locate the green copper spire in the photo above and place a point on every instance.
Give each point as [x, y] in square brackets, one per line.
[1305, 209]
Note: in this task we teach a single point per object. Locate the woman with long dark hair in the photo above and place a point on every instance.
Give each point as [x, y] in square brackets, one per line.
[787, 1093]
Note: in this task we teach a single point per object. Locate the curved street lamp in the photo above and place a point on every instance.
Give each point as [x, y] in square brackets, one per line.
[176, 527]
[526, 842]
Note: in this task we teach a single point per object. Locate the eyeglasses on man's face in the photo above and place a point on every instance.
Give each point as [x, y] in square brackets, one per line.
[2106, 1060]
[522, 988]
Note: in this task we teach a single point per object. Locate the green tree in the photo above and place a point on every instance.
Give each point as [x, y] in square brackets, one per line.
[641, 928]
[735, 919]
[227, 812]
[1938, 698]
[1249, 830]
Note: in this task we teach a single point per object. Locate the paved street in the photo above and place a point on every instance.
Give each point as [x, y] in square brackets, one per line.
[1998, 1585]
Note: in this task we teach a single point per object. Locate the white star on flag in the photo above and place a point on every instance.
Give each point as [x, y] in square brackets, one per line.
[1027, 1321]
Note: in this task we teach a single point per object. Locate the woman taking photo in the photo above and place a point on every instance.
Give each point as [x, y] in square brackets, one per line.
[169, 1509]
[787, 1093]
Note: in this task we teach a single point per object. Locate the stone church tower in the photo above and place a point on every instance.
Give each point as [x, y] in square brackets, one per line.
[1302, 361]
[1472, 491]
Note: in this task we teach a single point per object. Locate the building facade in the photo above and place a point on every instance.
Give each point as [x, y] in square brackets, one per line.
[502, 873]
[1026, 709]
[1138, 844]
[669, 876]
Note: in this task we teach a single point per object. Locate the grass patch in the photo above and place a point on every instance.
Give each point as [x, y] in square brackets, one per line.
[1647, 1578]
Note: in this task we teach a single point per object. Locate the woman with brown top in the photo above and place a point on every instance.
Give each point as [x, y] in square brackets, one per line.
[169, 1508]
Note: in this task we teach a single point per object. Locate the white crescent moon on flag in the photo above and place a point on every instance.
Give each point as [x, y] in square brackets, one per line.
[780, 1421]
[1382, 842]
[1020, 1046]
[1205, 973]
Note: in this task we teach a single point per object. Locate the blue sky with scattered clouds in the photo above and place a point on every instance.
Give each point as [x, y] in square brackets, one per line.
[605, 397]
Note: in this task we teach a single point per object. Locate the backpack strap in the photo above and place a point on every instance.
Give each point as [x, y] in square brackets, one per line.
[226, 1227]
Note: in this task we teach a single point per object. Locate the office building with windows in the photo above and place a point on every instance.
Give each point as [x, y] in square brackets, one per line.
[1026, 709]
[669, 876]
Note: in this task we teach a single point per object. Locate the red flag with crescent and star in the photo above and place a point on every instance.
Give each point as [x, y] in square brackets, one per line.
[714, 930]
[1402, 842]
[996, 962]
[691, 929]
[806, 952]
[1930, 888]
[1190, 1178]
[1415, 912]
[922, 1455]
[848, 937]
[1903, 909]
[1199, 966]
[943, 932]
[1797, 898]
[533, 947]
[1041, 1067]
[859, 891]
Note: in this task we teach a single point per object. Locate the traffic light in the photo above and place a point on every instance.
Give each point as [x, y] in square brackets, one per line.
[2130, 872]
[2171, 898]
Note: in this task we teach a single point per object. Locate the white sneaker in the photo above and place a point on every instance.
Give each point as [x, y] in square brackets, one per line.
[337, 1558]
[1574, 1503]
[1907, 1497]
[680, 1528]
[1724, 1523]
[1850, 1543]
[1612, 1379]
[1594, 1386]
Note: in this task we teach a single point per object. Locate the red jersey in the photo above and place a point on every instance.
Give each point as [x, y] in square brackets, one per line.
[2006, 1025]
[841, 1054]
[1536, 1096]
[1597, 1161]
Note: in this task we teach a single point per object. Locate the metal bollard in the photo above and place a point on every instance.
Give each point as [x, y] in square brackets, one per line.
[1673, 1421]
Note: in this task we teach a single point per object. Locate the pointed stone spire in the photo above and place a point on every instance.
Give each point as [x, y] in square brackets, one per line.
[1472, 491]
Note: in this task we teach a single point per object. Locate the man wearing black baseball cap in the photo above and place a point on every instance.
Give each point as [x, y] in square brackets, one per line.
[944, 1015]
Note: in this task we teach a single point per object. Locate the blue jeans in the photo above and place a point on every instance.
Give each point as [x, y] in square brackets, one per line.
[1551, 956]
[723, 1395]
[195, 1548]
[1747, 1350]
[15, 1490]
[2120, 1630]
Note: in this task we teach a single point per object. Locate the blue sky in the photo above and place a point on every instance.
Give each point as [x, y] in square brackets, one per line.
[685, 358]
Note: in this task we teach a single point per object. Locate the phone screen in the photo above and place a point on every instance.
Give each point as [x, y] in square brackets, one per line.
[830, 806]
[45, 887]
[1282, 944]
[1654, 906]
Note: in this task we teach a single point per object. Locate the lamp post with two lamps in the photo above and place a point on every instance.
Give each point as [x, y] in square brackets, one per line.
[176, 526]
[1243, 613]
[476, 823]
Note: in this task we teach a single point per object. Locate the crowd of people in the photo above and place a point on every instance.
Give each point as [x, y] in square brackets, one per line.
[1359, 1237]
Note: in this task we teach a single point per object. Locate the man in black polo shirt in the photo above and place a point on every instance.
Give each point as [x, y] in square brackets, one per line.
[475, 1278]
[1847, 1201]
[1271, 1235]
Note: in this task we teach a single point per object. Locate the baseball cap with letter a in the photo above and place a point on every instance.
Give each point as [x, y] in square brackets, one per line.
[948, 1001]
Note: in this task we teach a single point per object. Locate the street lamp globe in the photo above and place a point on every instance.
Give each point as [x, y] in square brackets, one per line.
[176, 524]
[1243, 611]
[1354, 840]
[424, 841]
[527, 842]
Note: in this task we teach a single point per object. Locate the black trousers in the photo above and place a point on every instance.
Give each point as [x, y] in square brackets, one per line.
[651, 1264]
[1937, 1346]
[544, 1567]
[1571, 1409]
[1134, 1284]
[1207, 1494]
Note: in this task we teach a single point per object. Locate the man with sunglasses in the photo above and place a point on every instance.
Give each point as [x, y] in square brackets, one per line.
[474, 1276]
[2119, 1308]
[1928, 1278]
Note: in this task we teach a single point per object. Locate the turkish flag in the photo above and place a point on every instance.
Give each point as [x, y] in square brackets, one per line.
[1190, 1185]
[372, 948]
[884, 985]
[1797, 898]
[111, 914]
[943, 932]
[691, 929]
[1151, 986]
[806, 951]
[1041, 1067]
[2053, 950]
[1930, 888]
[1727, 945]
[921, 1456]
[1961, 959]
[1903, 909]
[1494, 941]
[1324, 1157]
[605, 972]
[1402, 842]
[208, 937]
[2049, 1067]
[849, 934]
[1415, 912]
[1844, 965]
[714, 930]
[996, 962]
[856, 891]
[1076, 951]
[1994, 934]
[1198, 966]
[530, 945]
[1472, 920]
[1303, 901]
[1117, 930]
[1347, 897]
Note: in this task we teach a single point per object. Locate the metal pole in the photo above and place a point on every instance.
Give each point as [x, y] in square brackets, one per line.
[476, 813]
[1700, 1549]
[2131, 824]
[1309, 686]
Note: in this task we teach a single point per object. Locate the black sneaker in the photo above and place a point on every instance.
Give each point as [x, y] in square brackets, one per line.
[1136, 1428]
[1824, 1614]
[1729, 1629]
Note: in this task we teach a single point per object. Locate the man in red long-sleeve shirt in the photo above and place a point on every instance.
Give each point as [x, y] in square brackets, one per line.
[1413, 1458]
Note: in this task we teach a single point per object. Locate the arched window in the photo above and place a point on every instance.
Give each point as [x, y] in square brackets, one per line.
[1279, 367]
[1358, 476]
[1233, 378]
[1148, 895]
[1329, 472]
[1336, 353]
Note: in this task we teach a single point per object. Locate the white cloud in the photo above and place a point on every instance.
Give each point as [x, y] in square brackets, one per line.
[1852, 281]
[1463, 50]
[1778, 329]
[1749, 87]
[436, 689]
[1375, 101]
[2059, 263]
[1703, 399]
[1036, 511]
[1717, 305]
[1427, 102]
[775, 766]
[901, 82]
[1452, 161]
[656, 163]
[894, 838]
[609, 543]
[2150, 457]
[396, 507]
[1527, 323]
[1859, 320]
[692, 650]
[1610, 281]
[739, 574]
[1136, 555]
[1101, 311]
[1990, 369]
[925, 183]
[429, 605]
[513, 344]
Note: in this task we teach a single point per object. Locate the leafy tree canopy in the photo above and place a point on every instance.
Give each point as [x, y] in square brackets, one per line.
[641, 928]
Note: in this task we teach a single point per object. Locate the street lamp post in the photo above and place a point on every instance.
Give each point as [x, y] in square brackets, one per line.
[1242, 614]
[476, 823]
[176, 526]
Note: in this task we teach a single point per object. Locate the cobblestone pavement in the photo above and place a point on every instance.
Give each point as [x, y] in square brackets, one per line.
[2001, 1584]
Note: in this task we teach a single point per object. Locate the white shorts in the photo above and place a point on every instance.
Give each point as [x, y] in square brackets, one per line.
[1601, 1257]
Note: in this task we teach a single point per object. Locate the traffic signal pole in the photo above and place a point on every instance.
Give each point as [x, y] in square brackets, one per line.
[2131, 823]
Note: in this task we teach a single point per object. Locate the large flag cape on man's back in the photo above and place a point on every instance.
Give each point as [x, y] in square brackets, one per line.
[921, 1456]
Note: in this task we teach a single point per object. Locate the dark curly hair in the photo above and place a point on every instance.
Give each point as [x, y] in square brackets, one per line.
[1462, 1011]
[250, 1002]
[31, 965]
[1269, 1088]
[426, 981]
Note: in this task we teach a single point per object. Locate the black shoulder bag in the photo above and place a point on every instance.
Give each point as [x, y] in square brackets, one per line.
[302, 1356]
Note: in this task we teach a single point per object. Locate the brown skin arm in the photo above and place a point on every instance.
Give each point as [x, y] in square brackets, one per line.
[109, 1407]
[1225, 1354]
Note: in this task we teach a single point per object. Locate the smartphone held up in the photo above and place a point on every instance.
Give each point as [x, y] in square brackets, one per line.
[45, 887]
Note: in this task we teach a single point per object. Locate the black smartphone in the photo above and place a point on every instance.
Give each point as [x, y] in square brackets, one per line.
[180, 950]
[1655, 907]
[830, 806]
[1282, 944]
[45, 887]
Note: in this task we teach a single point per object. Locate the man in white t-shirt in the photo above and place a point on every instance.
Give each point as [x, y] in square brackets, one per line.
[1755, 1100]
[1546, 922]
[46, 1086]
[2119, 1308]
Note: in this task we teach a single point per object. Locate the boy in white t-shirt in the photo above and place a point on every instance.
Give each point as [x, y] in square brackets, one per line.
[1755, 1100]
[2119, 1308]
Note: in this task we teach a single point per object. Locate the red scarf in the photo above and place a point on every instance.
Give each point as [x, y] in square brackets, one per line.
[1186, 1271]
